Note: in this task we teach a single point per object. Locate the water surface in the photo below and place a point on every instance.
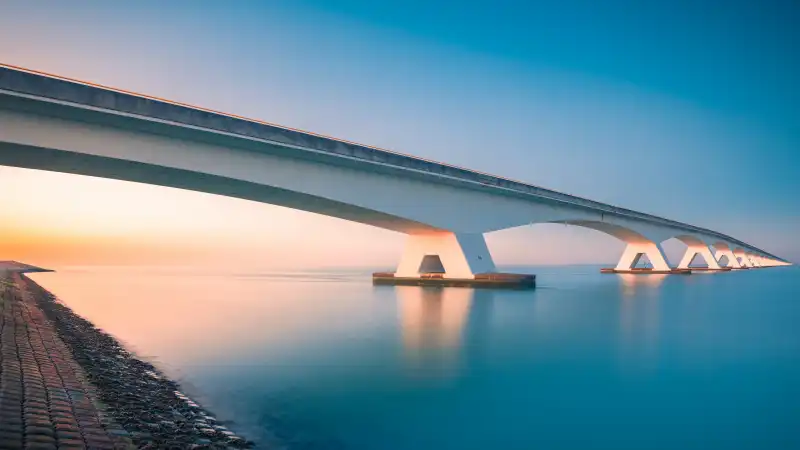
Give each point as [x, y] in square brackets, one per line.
[324, 360]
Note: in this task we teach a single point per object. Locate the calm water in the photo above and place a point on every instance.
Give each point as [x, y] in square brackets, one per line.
[326, 360]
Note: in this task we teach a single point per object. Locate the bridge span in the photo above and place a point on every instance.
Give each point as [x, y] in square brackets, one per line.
[52, 123]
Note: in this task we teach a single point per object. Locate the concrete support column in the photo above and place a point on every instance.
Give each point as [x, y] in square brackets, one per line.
[730, 259]
[462, 255]
[694, 250]
[634, 252]
[753, 259]
[744, 260]
[779, 263]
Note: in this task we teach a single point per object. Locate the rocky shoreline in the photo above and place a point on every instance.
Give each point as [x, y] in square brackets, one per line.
[151, 409]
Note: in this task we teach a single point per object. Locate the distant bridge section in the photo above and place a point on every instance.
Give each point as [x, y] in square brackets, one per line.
[52, 123]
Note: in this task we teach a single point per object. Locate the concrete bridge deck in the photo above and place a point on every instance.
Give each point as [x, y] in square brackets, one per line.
[23, 81]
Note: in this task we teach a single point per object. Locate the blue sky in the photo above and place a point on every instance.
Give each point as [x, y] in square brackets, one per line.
[682, 109]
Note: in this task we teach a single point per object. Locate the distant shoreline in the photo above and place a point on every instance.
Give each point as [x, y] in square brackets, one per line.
[18, 267]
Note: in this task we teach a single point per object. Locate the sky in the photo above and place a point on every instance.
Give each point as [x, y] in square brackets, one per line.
[688, 110]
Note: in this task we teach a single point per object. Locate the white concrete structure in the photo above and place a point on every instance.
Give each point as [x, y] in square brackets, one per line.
[754, 259]
[725, 257]
[51, 123]
[634, 251]
[742, 258]
[694, 248]
[462, 255]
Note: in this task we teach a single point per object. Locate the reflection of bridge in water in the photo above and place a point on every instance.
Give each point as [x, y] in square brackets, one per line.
[630, 284]
[445, 329]
[640, 318]
[438, 325]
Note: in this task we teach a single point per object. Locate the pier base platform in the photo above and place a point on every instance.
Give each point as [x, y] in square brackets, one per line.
[481, 280]
[708, 269]
[648, 271]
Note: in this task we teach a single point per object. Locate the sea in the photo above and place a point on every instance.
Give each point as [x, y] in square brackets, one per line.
[322, 359]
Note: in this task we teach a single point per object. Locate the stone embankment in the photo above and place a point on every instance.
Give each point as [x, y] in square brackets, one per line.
[64, 384]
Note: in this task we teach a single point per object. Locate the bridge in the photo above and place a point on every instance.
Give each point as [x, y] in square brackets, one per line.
[53, 123]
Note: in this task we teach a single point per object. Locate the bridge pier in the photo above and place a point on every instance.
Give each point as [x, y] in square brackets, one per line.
[776, 263]
[699, 249]
[753, 259]
[742, 258]
[460, 255]
[723, 251]
[454, 259]
[633, 254]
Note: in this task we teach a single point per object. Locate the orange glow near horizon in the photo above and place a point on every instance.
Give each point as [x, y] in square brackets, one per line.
[38, 247]
[53, 219]
[264, 314]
